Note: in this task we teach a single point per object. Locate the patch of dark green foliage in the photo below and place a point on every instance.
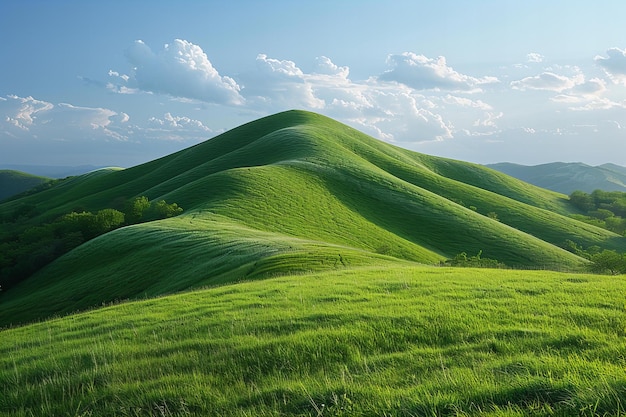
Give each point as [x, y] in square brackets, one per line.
[25, 247]
[603, 261]
[606, 209]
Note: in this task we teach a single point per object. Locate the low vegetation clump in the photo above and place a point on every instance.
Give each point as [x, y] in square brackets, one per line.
[394, 341]
[475, 261]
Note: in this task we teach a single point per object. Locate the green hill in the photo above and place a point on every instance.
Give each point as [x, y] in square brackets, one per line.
[568, 177]
[15, 182]
[291, 193]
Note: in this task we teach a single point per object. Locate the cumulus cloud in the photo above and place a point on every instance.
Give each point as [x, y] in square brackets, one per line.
[389, 106]
[175, 128]
[278, 68]
[422, 73]
[26, 117]
[278, 85]
[22, 112]
[466, 102]
[592, 87]
[587, 96]
[601, 103]
[323, 65]
[180, 69]
[534, 57]
[548, 81]
[614, 64]
[64, 133]
[392, 111]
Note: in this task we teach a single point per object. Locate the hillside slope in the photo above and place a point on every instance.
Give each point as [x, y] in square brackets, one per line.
[568, 177]
[292, 192]
[15, 182]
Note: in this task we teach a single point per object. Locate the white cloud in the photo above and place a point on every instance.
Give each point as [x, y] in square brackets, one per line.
[614, 65]
[181, 69]
[175, 128]
[390, 111]
[466, 102]
[323, 65]
[599, 104]
[22, 112]
[27, 118]
[278, 68]
[548, 81]
[179, 122]
[403, 118]
[593, 87]
[534, 57]
[278, 85]
[489, 120]
[422, 73]
[587, 91]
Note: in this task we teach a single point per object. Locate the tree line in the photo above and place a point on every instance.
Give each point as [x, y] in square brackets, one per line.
[606, 209]
[25, 247]
[602, 261]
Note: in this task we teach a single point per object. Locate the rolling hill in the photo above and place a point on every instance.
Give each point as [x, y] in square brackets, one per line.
[568, 177]
[15, 182]
[295, 192]
[303, 279]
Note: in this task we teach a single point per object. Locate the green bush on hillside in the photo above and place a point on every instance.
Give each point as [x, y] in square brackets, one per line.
[26, 248]
[606, 209]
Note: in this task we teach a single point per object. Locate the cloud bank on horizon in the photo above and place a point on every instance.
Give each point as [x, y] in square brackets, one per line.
[521, 113]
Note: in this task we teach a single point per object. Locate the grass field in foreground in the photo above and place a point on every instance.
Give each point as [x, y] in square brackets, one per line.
[394, 341]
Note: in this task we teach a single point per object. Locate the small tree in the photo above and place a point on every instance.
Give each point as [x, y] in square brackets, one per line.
[108, 219]
[608, 260]
[162, 210]
[582, 200]
[135, 209]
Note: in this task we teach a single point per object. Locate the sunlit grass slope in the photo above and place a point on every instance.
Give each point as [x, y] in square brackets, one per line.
[384, 341]
[293, 192]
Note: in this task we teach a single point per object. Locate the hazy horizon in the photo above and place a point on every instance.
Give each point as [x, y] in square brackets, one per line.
[117, 83]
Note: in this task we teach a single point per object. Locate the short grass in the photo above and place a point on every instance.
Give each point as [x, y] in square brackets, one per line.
[387, 341]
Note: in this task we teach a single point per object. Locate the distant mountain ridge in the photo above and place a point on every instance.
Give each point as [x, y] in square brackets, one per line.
[566, 177]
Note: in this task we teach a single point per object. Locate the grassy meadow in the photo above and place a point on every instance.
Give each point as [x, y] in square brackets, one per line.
[388, 341]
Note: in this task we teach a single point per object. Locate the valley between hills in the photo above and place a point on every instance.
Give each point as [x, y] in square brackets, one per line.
[308, 275]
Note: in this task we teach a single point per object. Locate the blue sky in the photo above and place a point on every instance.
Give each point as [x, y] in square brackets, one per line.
[121, 83]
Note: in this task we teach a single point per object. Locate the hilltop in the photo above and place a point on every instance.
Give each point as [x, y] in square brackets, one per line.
[291, 193]
[568, 177]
